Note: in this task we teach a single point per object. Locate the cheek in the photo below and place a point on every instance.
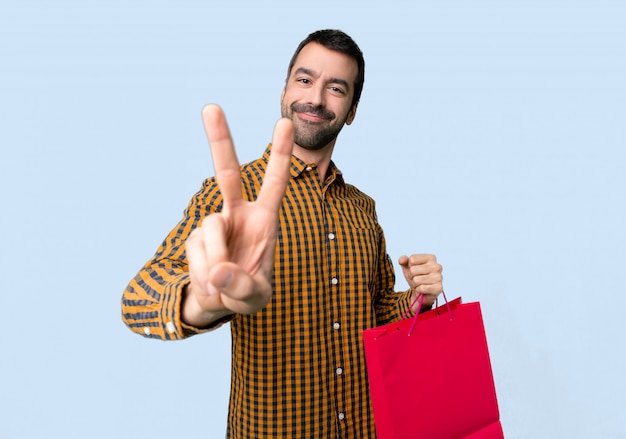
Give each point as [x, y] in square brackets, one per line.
[343, 116]
[288, 94]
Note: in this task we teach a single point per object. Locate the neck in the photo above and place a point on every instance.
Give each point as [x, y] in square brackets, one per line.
[320, 157]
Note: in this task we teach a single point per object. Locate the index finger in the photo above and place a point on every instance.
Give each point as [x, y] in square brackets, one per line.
[223, 152]
[420, 259]
[277, 173]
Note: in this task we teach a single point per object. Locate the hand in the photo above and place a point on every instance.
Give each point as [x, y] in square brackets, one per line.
[231, 255]
[423, 274]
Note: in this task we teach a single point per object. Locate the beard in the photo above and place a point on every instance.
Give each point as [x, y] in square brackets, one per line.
[311, 135]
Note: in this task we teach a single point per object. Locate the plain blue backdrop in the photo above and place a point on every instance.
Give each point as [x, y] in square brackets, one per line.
[491, 133]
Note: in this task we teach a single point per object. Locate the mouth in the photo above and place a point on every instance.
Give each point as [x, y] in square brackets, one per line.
[311, 117]
[312, 114]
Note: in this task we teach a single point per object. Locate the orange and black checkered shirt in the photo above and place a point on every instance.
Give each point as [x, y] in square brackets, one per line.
[298, 367]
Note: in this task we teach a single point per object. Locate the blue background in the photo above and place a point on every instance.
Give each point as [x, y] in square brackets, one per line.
[491, 133]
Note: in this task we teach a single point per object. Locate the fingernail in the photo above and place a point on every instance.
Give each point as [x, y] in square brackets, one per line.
[211, 289]
[223, 279]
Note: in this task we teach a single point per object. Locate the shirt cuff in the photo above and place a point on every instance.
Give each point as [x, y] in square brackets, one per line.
[404, 305]
[174, 327]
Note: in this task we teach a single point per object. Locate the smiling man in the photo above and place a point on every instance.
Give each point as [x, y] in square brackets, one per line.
[292, 256]
[319, 96]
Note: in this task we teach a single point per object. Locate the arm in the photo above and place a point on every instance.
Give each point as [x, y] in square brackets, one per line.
[151, 303]
[422, 273]
[228, 258]
[389, 305]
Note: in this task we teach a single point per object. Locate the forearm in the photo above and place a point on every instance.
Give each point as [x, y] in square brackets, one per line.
[154, 305]
[390, 306]
[151, 302]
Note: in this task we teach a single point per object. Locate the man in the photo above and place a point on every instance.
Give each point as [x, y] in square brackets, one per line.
[290, 255]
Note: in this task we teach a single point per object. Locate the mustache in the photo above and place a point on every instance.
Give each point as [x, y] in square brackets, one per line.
[319, 110]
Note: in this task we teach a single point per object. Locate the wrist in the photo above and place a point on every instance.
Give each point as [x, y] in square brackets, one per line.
[194, 314]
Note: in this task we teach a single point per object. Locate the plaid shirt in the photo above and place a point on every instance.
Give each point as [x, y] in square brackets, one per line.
[298, 367]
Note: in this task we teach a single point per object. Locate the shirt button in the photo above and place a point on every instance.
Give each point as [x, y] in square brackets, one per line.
[342, 416]
[331, 236]
[171, 328]
[339, 371]
[336, 325]
[334, 281]
[308, 168]
[147, 331]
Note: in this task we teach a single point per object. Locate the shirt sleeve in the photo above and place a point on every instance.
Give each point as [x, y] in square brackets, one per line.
[152, 299]
[389, 305]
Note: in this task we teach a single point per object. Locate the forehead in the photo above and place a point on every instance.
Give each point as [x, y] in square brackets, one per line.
[326, 63]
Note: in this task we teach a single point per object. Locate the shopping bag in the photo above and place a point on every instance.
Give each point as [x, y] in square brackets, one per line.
[430, 376]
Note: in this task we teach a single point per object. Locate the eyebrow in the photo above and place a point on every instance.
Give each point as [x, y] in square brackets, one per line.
[332, 80]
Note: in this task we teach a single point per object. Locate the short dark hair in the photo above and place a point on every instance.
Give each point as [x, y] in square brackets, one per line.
[338, 41]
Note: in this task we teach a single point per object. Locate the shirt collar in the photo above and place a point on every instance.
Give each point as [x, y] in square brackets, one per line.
[298, 167]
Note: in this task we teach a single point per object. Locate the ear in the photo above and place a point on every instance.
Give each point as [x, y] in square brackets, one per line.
[351, 114]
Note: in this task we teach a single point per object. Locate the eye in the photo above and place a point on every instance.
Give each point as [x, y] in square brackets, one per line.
[304, 80]
[337, 90]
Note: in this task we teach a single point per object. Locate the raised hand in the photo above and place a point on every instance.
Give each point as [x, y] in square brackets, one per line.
[231, 255]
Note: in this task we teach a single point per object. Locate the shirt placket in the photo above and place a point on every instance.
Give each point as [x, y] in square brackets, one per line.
[335, 280]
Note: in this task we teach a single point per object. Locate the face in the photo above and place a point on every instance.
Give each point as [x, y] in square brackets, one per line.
[318, 95]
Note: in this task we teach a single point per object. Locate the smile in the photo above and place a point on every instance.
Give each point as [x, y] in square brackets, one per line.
[311, 117]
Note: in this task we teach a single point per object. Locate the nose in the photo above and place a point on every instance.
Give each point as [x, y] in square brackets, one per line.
[315, 95]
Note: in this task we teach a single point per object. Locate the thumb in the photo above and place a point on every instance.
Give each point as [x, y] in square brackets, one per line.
[404, 261]
[220, 279]
[236, 283]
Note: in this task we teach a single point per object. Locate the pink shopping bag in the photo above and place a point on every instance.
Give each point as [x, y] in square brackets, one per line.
[430, 376]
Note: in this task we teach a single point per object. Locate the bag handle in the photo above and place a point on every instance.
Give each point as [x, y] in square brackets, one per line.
[420, 298]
